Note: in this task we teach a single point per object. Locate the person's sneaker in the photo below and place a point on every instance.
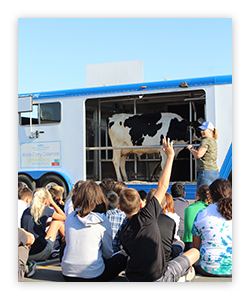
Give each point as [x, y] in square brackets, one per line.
[30, 268]
[54, 253]
[189, 277]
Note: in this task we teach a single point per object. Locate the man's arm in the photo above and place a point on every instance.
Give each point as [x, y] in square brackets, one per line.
[166, 173]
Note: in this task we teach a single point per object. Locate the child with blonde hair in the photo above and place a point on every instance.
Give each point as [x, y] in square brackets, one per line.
[34, 221]
[56, 192]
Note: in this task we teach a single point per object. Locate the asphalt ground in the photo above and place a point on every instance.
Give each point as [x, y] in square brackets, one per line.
[50, 271]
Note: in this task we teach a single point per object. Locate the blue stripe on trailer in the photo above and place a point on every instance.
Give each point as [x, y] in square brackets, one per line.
[227, 164]
[167, 84]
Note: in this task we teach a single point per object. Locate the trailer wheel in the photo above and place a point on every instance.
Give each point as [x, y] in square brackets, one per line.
[50, 180]
[27, 181]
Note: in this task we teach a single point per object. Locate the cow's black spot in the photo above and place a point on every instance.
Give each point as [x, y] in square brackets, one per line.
[120, 123]
[198, 132]
[196, 128]
[111, 124]
[161, 138]
[140, 125]
[178, 130]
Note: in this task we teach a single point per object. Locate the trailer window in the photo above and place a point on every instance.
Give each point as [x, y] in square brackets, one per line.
[189, 104]
[25, 117]
[43, 113]
[50, 113]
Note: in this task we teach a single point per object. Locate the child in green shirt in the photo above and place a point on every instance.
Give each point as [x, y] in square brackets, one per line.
[203, 200]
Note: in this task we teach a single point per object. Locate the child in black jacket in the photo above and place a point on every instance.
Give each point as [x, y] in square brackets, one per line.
[140, 236]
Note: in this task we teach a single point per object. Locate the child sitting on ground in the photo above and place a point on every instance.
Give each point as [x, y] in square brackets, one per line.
[56, 192]
[203, 199]
[115, 216]
[24, 199]
[34, 221]
[212, 232]
[140, 236]
[57, 195]
[88, 255]
[168, 227]
[117, 188]
[68, 208]
[107, 184]
[25, 239]
[169, 210]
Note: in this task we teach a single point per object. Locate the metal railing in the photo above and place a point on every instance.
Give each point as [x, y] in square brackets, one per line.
[140, 147]
[137, 147]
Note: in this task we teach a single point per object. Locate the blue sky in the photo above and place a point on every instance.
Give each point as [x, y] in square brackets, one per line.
[53, 53]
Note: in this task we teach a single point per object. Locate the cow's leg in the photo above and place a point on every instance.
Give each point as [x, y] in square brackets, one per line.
[163, 159]
[116, 162]
[123, 167]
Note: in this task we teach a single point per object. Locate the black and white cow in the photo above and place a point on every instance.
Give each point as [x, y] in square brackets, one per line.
[145, 130]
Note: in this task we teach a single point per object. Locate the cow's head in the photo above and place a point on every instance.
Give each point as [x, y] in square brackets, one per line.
[180, 130]
[196, 130]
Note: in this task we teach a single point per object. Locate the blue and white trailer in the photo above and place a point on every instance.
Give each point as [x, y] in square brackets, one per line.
[63, 137]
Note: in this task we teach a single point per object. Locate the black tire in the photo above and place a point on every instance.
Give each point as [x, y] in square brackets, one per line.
[50, 180]
[27, 181]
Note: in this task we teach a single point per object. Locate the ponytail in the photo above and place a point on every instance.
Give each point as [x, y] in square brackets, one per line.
[37, 204]
[203, 194]
[215, 133]
[225, 208]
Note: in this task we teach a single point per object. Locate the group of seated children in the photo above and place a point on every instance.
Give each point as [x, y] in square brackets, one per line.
[109, 228]
[34, 210]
